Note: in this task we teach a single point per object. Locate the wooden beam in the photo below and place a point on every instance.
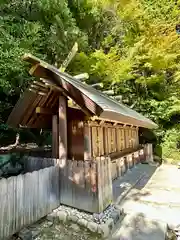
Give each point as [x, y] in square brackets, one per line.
[41, 110]
[38, 88]
[51, 85]
[116, 123]
[93, 124]
[65, 93]
[62, 131]
[55, 149]
[102, 122]
[40, 71]
[37, 92]
[41, 84]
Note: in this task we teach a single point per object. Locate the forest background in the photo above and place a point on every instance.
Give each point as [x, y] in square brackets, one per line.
[131, 46]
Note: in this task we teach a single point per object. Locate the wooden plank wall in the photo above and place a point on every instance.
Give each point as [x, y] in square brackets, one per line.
[55, 137]
[76, 132]
[109, 138]
[79, 188]
[36, 163]
[27, 198]
[148, 151]
[94, 142]
[104, 182]
[76, 139]
[106, 142]
[87, 142]
[87, 185]
[121, 165]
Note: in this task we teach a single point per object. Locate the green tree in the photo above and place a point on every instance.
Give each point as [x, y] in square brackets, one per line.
[129, 45]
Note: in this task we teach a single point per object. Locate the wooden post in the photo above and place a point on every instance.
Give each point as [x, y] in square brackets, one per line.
[102, 140]
[104, 182]
[137, 137]
[62, 131]
[55, 136]
[87, 142]
[148, 149]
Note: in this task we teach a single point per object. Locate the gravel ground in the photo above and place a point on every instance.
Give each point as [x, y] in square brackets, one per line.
[70, 231]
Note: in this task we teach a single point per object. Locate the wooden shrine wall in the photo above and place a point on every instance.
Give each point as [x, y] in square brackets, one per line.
[75, 122]
[90, 139]
[108, 138]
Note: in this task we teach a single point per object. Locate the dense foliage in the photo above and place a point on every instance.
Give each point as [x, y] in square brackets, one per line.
[129, 45]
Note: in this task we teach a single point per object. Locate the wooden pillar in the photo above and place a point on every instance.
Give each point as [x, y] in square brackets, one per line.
[55, 136]
[101, 141]
[62, 131]
[137, 137]
[148, 149]
[87, 142]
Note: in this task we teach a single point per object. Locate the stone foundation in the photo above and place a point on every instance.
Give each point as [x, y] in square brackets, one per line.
[101, 225]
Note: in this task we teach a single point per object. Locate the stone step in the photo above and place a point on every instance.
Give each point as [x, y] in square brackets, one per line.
[136, 226]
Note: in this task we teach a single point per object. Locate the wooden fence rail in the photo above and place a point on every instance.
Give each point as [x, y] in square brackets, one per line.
[27, 198]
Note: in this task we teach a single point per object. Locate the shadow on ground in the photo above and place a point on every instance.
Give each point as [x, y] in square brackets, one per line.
[137, 227]
[137, 178]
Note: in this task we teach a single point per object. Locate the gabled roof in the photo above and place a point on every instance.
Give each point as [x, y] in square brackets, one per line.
[93, 102]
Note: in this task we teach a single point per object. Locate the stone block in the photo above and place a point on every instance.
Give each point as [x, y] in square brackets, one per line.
[72, 218]
[56, 210]
[47, 224]
[82, 222]
[62, 216]
[52, 217]
[92, 226]
[104, 230]
[25, 234]
[110, 224]
[35, 233]
[115, 215]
